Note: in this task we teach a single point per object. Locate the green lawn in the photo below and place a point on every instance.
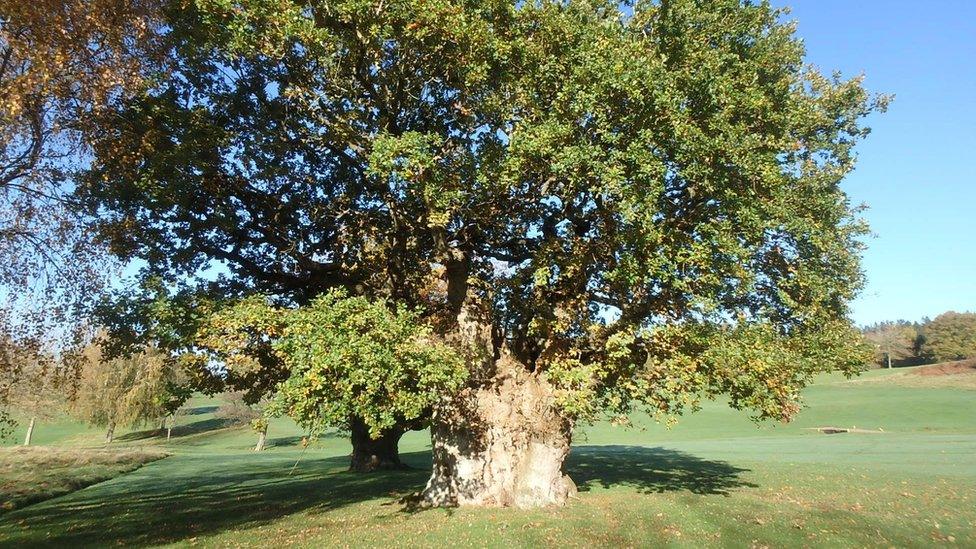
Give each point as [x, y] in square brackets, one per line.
[36, 473]
[714, 480]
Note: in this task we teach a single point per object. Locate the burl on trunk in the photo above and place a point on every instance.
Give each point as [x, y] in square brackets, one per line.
[501, 444]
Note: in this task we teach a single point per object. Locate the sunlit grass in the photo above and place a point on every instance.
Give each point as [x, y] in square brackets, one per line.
[36, 473]
[716, 479]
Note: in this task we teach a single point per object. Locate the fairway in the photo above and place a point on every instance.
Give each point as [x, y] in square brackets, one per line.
[907, 480]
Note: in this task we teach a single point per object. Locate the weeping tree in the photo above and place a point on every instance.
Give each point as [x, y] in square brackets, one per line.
[125, 391]
[597, 210]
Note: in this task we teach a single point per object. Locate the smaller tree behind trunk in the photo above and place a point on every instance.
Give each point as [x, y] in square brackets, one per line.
[236, 411]
[369, 454]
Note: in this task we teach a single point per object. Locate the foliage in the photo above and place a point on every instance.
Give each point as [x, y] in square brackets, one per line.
[951, 336]
[36, 391]
[126, 391]
[345, 356]
[893, 341]
[32, 385]
[235, 409]
[61, 63]
[154, 314]
[645, 208]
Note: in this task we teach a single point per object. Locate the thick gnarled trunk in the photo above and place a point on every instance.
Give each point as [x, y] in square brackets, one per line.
[370, 454]
[501, 445]
[502, 441]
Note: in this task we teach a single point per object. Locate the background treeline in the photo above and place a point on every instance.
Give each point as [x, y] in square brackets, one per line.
[949, 336]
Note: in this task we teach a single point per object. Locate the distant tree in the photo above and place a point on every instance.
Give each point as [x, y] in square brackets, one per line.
[34, 391]
[950, 336]
[892, 341]
[125, 391]
[235, 409]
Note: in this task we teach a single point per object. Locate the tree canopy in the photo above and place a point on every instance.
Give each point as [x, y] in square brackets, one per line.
[126, 391]
[950, 336]
[610, 182]
[598, 209]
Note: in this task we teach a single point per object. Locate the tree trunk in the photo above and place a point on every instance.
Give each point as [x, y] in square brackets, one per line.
[262, 437]
[110, 435]
[501, 441]
[30, 432]
[169, 431]
[502, 444]
[369, 454]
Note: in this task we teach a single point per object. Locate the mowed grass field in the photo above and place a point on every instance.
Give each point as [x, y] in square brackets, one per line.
[907, 478]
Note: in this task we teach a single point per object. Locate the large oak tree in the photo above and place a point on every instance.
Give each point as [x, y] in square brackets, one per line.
[599, 209]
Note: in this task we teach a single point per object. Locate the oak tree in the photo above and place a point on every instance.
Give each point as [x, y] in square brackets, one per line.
[599, 210]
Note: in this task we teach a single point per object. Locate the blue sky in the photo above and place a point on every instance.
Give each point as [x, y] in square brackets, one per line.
[917, 170]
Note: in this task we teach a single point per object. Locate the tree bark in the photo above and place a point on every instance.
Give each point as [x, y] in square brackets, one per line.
[500, 445]
[110, 435]
[502, 440]
[370, 454]
[30, 432]
[262, 437]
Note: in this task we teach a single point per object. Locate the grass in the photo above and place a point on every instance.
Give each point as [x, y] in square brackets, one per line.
[37, 473]
[714, 480]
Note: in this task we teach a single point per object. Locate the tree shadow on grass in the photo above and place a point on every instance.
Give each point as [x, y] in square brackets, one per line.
[187, 496]
[652, 470]
[199, 410]
[195, 495]
[296, 440]
[188, 429]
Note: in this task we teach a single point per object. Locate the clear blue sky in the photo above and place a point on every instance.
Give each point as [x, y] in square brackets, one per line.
[917, 170]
